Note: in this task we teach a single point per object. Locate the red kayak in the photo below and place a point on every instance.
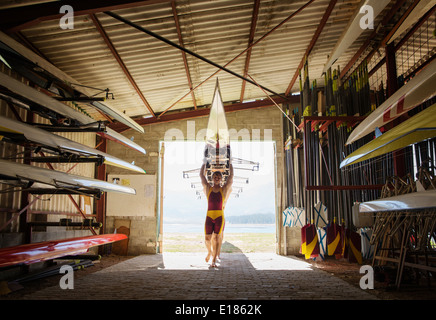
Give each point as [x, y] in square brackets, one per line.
[42, 251]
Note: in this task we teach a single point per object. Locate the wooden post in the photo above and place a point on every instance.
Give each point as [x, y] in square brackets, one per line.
[392, 87]
[160, 236]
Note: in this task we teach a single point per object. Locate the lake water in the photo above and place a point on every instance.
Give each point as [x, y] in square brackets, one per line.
[229, 228]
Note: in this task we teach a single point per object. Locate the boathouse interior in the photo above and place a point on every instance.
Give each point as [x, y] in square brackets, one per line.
[302, 74]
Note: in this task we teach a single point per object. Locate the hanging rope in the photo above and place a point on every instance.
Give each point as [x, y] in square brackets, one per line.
[284, 113]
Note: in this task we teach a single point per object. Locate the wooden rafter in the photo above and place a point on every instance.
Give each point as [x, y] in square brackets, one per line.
[120, 62]
[312, 43]
[176, 116]
[292, 15]
[19, 18]
[185, 60]
[250, 43]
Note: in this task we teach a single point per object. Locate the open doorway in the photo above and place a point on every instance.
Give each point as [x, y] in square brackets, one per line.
[250, 209]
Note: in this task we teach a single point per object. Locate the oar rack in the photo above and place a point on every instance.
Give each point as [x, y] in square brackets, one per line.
[325, 121]
[322, 180]
[321, 123]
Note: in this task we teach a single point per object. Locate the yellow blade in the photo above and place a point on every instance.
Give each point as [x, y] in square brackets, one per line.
[420, 127]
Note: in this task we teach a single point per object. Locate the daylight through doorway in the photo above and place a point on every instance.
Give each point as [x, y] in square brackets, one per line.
[250, 210]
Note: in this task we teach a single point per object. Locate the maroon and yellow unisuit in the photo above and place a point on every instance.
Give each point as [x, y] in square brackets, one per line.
[215, 212]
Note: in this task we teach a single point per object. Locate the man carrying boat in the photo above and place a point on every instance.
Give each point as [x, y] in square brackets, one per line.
[216, 197]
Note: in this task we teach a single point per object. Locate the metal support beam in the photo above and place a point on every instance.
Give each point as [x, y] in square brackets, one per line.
[312, 43]
[175, 45]
[19, 18]
[293, 14]
[176, 116]
[66, 159]
[65, 223]
[392, 87]
[185, 61]
[120, 62]
[391, 70]
[250, 43]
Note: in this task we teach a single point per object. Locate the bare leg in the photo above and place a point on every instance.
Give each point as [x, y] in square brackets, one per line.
[207, 242]
[216, 243]
[213, 243]
[220, 240]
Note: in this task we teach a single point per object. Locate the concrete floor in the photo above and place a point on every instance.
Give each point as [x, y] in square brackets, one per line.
[186, 276]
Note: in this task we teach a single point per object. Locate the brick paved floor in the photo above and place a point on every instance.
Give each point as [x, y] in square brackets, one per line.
[186, 276]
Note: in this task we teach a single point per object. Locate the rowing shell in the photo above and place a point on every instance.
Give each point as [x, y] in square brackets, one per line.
[19, 50]
[43, 251]
[217, 150]
[409, 201]
[12, 171]
[420, 9]
[19, 132]
[413, 93]
[31, 99]
[354, 29]
[420, 127]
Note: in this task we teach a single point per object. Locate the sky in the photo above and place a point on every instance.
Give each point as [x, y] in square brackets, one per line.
[180, 200]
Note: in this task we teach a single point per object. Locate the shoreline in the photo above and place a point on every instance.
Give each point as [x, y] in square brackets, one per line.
[232, 242]
[229, 228]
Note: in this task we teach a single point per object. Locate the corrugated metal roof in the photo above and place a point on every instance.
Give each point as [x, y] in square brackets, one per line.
[217, 30]
[6, 4]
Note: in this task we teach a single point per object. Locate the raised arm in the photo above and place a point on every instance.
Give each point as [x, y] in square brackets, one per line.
[228, 186]
[203, 179]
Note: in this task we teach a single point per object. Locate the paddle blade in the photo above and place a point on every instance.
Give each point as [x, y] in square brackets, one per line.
[322, 238]
[334, 244]
[354, 247]
[303, 239]
[312, 244]
[342, 242]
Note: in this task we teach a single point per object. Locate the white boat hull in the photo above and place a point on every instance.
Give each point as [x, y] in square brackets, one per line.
[27, 96]
[63, 77]
[58, 143]
[409, 201]
[217, 152]
[57, 179]
[419, 89]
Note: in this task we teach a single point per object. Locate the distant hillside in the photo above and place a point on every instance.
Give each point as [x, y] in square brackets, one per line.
[258, 218]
